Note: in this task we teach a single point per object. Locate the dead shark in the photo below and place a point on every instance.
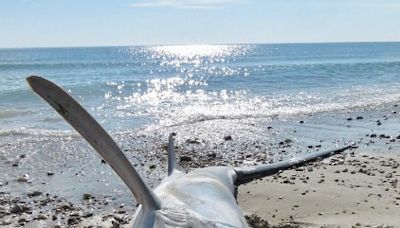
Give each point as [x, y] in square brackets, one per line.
[204, 197]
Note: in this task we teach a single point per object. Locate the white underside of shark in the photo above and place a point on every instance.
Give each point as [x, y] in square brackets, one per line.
[204, 197]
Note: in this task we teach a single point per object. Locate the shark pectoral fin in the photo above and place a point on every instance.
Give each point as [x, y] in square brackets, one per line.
[245, 175]
[172, 162]
[96, 136]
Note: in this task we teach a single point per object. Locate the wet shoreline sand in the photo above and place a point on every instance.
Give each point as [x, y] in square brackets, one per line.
[83, 191]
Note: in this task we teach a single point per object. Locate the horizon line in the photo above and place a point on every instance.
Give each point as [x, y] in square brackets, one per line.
[188, 44]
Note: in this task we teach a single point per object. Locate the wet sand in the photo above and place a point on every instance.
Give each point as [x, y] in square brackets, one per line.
[68, 185]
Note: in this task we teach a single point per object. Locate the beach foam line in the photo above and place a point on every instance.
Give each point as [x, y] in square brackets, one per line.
[11, 113]
[188, 115]
[36, 132]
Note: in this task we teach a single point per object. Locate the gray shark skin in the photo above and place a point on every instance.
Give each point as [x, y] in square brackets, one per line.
[205, 197]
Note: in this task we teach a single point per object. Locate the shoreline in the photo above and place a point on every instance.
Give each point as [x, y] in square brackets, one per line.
[59, 198]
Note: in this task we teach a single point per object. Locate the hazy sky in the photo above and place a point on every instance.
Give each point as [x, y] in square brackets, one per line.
[39, 23]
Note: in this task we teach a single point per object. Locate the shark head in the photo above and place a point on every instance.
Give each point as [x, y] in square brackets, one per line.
[204, 197]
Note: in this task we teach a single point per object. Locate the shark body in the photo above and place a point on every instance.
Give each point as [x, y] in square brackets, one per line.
[205, 197]
[201, 198]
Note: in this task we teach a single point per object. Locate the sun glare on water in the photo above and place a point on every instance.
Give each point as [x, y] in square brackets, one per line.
[198, 54]
[191, 51]
[178, 83]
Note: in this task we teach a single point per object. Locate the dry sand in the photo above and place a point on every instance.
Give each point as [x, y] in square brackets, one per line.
[346, 191]
[349, 190]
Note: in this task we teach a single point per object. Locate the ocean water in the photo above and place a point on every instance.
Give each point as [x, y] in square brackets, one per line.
[139, 86]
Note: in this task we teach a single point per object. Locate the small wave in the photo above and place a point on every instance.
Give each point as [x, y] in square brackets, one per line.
[280, 106]
[12, 113]
[52, 119]
[64, 65]
[35, 132]
[203, 118]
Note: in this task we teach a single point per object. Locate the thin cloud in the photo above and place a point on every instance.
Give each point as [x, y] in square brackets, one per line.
[185, 4]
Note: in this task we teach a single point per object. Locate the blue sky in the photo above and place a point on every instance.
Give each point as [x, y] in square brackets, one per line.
[55, 23]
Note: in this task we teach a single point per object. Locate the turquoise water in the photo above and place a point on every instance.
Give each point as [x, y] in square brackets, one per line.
[139, 86]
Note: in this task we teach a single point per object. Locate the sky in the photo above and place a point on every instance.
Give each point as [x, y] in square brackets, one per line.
[64, 23]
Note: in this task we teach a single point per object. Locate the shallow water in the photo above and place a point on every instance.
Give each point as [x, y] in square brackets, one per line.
[131, 87]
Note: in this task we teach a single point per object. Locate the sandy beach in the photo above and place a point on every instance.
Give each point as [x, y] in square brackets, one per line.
[356, 189]
[345, 191]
